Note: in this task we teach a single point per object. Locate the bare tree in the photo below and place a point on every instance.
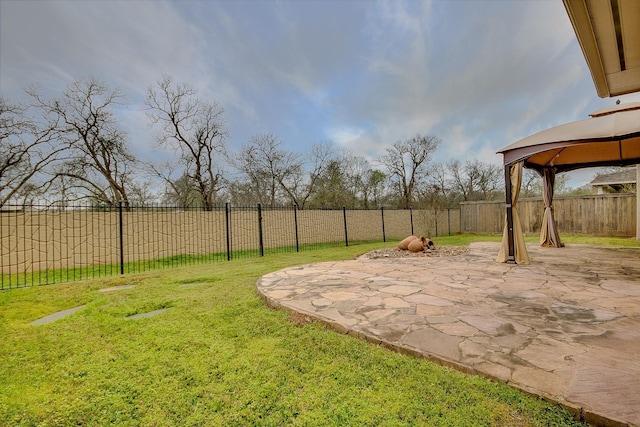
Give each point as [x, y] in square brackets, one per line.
[459, 181]
[265, 165]
[142, 194]
[406, 162]
[182, 192]
[436, 193]
[333, 189]
[26, 149]
[561, 184]
[374, 188]
[475, 180]
[241, 193]
[275, 175]
[299, 184]
[531, 184]
[490, 178]
[195, 130]
[179, 189]
[97, 163]
[364, 184]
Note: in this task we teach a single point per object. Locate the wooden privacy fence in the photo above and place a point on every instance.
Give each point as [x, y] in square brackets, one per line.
[45, 245]
[597, 215]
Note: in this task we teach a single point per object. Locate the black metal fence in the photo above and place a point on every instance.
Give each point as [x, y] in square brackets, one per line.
[44, 244]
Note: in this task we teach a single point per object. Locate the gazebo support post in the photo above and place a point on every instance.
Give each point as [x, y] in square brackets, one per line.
[511, 259]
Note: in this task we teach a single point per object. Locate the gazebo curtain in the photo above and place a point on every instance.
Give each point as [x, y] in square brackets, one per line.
[520, 248]
[549, 236]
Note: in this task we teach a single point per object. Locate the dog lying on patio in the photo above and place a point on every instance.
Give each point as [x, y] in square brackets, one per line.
[416, 244]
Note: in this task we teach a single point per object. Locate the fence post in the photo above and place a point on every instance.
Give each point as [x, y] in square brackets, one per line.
[346, 235]
[411, 219]
[227, 215]
[435, 216]
[449, 221]
[295, 223]
[121, 232]
[261, 240]
[384, 235]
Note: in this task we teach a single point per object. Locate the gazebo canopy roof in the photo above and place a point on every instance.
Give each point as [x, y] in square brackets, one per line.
[611, 137]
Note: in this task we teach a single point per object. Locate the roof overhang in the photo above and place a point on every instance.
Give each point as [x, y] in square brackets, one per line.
[609, 34]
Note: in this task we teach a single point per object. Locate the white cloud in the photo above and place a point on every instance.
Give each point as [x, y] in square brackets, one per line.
[345, 135]
[128, 44]
[478, 74]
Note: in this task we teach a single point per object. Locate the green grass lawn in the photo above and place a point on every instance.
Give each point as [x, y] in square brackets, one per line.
[219, 356]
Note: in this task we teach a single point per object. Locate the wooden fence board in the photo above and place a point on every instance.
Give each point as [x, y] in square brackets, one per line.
[595, 215]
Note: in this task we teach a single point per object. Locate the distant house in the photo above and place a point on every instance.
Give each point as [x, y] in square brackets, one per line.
[615, 182]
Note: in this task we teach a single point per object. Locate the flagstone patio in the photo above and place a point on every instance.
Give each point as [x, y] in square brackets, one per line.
[566, 327]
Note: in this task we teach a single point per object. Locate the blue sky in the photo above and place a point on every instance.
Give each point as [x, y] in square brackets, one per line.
[363, 74]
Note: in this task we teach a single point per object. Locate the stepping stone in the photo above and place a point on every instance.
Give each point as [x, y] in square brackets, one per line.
[56, 316]
[117, 288]
[149, 314]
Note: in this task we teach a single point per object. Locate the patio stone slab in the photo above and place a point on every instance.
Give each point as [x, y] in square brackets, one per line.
[566, 327]
[434, 342]
[429, 300]
[606, 388]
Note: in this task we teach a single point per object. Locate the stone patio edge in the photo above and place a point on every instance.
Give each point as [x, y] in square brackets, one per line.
[578, 412]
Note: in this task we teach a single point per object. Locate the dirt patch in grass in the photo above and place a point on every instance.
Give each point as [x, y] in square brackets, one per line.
[299, 319]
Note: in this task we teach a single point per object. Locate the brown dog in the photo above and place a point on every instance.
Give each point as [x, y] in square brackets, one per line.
[416, 245]
[430, 245]
[404, 244]
[420, 244]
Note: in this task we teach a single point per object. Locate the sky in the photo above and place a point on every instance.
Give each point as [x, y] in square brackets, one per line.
[362, 74]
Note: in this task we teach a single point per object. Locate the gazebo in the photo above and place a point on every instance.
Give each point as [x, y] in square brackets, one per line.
[611, 137]
[609, 35]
